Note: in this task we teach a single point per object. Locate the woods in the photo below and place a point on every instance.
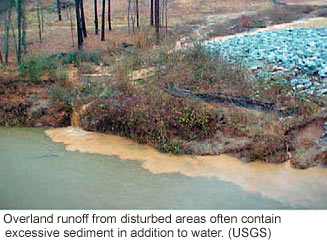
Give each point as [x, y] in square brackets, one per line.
[15, 27]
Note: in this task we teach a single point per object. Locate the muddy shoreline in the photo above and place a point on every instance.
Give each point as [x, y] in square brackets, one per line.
[224, 128]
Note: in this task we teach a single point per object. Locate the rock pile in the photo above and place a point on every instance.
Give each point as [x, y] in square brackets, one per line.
[301, 54]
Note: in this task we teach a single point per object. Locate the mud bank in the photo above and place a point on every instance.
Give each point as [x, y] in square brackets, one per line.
[23, 103]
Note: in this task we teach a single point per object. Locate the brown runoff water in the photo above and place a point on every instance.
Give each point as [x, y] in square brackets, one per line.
[90, 170]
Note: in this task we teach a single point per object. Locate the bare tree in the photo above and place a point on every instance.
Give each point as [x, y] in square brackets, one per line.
[166, 15]
[137, 13]
[1, 60]
[38, 11]
[24, 45]
[96, 21]
[6, 33]
[71, 25]
[59, 10]
[131, 15]
[42, 16]
[128, 14]
[78, 23]
[157, 19]
[14, 38]
[83, 19]
[19, 5]
[103, 20]
[151, 12]
[162, 13]
[109, 15]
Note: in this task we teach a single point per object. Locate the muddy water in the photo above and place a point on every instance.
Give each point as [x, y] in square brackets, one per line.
[89, 170]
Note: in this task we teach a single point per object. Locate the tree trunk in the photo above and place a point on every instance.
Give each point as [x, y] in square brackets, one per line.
[103, 20]
[157, 19]
[128, 15]
[83, 19]
[162, 18]
[14, 38]
[151, 13]
[166, 15]
[71, 25]
[39, 20]
[42, 16]
[78, 23]
[133, 17]
[109, 14]
[1, 60]
[137, 13]
[96, 21]
[6, 34]
[59, 10]
[24, 27]
[19, 29]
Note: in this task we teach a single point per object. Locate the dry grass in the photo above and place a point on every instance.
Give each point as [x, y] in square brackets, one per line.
[263, 18]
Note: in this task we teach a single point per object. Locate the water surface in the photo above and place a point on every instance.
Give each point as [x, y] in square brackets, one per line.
[102, 171]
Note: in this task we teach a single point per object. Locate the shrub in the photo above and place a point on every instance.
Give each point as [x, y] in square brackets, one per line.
[108, 93]
[86, 68]
[76, 57]
[61, 94]
[61, 74]
[34, 67]
[133, 59]
[145, 37]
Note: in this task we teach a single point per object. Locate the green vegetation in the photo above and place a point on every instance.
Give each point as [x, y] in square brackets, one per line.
[61, 94]
[34, 67]
[61, 74]
[76, 57]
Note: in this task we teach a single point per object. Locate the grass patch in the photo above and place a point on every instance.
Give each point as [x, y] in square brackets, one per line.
[77, 57]
[61, 74]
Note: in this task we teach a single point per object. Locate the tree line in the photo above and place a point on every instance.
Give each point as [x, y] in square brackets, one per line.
[158, 18]
[19, 39]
